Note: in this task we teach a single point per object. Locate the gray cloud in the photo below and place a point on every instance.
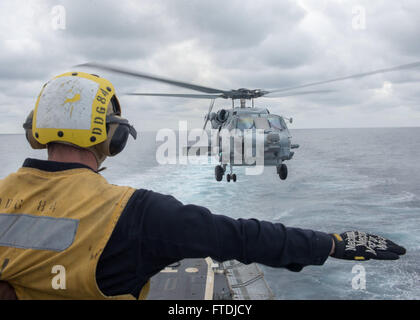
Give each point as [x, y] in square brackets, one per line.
[226, 44]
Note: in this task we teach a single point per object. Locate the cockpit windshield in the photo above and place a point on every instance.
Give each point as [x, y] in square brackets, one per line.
[261, 123]
[245, 123]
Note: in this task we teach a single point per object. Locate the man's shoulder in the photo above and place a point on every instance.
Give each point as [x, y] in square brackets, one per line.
[142, 193]
[150, 196]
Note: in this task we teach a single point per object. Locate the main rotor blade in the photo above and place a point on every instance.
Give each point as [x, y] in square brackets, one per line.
[151, 77]
[291, 94]
[359, 75]
[178, 95]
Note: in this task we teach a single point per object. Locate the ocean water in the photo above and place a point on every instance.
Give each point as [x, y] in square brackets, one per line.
[339, 180]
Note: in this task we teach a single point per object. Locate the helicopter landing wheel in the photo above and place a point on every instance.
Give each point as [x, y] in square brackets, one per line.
[219, 172]
[282, 171]
[230, 176]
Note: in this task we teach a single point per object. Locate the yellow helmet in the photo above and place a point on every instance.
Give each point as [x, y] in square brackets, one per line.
[80, 109]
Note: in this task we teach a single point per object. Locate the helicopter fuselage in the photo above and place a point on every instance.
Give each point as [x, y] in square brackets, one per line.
[274, 139]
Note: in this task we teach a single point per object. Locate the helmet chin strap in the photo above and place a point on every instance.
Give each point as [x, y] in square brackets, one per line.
[100, 157]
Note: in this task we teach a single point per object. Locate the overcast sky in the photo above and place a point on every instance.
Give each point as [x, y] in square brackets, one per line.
[226, 44]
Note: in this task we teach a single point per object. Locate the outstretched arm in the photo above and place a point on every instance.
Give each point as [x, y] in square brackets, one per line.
[171, 231]
[156, 230]
[180, 231]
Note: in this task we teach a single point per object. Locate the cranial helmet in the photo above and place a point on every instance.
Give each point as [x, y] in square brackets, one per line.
[82, 110]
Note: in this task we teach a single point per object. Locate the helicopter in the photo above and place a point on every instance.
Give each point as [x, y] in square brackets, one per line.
[277, 146]
[276, 139]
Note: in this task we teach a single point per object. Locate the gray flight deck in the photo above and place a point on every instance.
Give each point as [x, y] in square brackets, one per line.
[206, 279]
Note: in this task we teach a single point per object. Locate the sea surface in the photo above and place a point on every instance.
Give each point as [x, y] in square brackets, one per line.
[339, 180]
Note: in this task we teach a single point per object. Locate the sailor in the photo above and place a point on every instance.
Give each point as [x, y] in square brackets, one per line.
[66, 233]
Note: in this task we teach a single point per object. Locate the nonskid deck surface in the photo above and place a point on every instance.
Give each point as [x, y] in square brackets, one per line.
[206, 279]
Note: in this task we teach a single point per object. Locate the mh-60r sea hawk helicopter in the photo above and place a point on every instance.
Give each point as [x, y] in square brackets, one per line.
[277, 138]
[237, 120]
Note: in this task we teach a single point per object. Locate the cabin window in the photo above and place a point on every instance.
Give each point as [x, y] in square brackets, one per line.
[276, 123]
[283, 124]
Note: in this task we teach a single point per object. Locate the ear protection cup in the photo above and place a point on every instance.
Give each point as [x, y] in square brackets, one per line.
[28, 132]
[118, 130]
[119, 139]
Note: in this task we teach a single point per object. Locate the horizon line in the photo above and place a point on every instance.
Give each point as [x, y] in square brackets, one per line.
[320, 128]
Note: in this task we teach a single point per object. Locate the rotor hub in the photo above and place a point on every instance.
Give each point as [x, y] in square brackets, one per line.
[244, 93]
